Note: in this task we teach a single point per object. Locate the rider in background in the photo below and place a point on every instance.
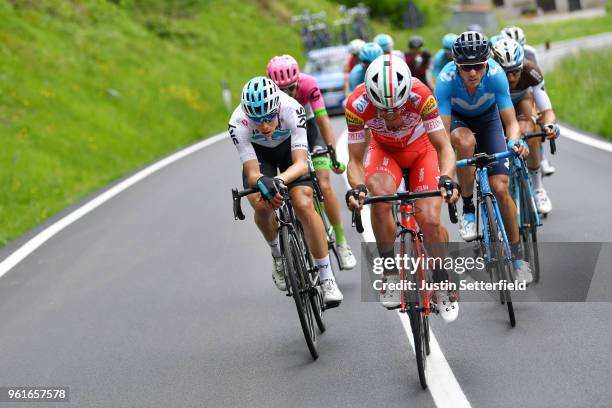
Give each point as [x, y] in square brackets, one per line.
[443, 56]
[268, 130]
[473, 94]
[418, 59]
[526, 86]
[517, 34]
[406, 133]
[285, 72]
[386, 43]
[369, 52]
[351, 60]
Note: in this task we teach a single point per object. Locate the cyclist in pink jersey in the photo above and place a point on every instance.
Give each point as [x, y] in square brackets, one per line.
[284, 71]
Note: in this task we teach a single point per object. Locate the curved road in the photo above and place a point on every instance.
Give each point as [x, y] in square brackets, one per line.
[159, 299]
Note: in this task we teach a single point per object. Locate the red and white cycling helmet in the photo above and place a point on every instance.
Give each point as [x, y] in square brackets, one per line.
[283, 70]
[388, 82]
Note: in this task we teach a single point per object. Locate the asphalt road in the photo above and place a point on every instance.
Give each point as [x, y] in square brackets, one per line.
[158, 298]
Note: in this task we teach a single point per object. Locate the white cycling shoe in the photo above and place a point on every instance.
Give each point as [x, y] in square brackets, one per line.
[332, 296]
[278, 273]
[547, 168]
[543, 204]
[467, 230]
[346, 256]
[522, 271]
[448, 305]
[391, 298]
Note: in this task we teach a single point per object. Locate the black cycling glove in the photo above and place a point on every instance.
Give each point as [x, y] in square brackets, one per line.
[448, 183]
[269, 186]
[354, 192]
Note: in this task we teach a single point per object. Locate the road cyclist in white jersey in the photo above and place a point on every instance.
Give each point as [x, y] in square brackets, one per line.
[269, 131]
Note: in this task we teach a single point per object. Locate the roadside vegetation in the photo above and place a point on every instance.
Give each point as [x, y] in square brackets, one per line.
[581, 91]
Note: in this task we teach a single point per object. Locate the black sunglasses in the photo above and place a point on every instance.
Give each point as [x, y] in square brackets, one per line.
[289, 88]
[472, 67]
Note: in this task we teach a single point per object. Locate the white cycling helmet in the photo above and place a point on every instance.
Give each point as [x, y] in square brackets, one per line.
[355, 46]
[508, 53]
[260, 97]
[516, 33]
[388, 82]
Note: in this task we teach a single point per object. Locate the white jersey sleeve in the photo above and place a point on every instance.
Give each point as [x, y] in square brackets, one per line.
[240, 131]
[292, 117]
[541, 98]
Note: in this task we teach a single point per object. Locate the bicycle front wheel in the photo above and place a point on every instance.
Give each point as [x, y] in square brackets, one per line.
[529, 230]
[500, 261]
[296, 273]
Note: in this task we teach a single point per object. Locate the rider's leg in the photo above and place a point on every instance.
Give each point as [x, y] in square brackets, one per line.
[464, 142]
[332, 207]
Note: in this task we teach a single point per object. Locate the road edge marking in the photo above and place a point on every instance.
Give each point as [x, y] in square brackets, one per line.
[584, 139]
[441, 382]
[30, 246]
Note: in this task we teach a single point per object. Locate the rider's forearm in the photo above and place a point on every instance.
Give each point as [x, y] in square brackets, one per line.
[446, 154]
[548, 116]
[355, 173]
[326, 130]
[513, 131]
[297, 169]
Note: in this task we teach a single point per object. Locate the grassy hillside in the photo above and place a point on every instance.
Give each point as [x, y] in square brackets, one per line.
[581, 91]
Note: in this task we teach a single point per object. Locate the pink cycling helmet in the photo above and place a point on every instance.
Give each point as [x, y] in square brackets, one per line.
[283, 70]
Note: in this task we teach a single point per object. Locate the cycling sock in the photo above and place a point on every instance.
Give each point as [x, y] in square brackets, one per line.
[339, 233]
[468, 204]
[536, 178]
[275, 247]
[517, 250]
[325, 269]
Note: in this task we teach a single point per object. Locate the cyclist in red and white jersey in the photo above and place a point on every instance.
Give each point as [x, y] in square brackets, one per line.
[406, 133]
[285, 72]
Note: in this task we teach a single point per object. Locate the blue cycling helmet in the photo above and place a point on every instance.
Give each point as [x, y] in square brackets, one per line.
[495, 39]
[508, 53]
[260, 97]
[369, 52]
[385, 41]
[448, 40]
[471, 47]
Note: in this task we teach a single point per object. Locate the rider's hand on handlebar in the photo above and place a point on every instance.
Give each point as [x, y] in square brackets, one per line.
[552, 130]
[270, 189]
[448, 188]
[519, 146]
[356, 196]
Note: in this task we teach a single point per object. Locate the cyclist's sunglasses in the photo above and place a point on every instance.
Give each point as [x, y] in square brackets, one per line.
[289, 89]
[514, 71]
[472, 67]
[264, 119]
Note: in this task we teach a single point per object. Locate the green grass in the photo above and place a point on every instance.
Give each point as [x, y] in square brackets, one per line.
[581, 91]
[565, 30]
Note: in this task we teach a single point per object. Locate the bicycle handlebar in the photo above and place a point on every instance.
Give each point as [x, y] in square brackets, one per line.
[237, 195]
[402, 196]
[542, 135]
[483, 159]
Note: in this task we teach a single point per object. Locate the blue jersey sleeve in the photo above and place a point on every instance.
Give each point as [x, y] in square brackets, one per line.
[356, 77]
[501, 88]
[443, 92]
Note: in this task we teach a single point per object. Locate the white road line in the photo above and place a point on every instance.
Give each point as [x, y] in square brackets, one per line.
[441, 382]
[30, 246]
[584, 139]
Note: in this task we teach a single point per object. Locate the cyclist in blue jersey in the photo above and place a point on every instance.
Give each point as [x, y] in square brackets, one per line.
[443, 56]
[368, 53]
[473, 94]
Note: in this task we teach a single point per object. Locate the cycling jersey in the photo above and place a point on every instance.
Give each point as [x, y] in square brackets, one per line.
[531, 54]
[418, 62]
[531, 81]
[442, 57]
[291, 126]
[356, 77]
[309, 96]
[452, 93]
[350, 62]
[420, 115]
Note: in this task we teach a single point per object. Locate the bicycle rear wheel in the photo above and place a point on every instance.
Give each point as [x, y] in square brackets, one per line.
[297, 275]
[499, 257]
[529, 230]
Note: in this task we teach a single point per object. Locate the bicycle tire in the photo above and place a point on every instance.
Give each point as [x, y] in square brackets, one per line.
[316, 299]
[416, 324]
[295, 268]
[497, 254]
[529, 230]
